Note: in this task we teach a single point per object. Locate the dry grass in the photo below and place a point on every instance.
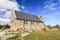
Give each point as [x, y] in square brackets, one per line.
[42, 35]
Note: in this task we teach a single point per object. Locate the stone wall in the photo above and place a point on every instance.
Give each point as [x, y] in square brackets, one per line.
[19, 24]
[36, 26]
[12, 21]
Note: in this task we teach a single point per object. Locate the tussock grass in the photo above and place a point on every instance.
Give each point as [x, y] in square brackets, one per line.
[42, 35]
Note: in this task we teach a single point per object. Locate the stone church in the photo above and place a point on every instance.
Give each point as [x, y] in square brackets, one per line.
[26, 22]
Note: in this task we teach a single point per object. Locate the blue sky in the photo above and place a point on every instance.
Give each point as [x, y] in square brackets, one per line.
[49, 9]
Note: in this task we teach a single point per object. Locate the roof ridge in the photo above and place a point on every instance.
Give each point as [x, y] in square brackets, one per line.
[25, 12]
[26, 16]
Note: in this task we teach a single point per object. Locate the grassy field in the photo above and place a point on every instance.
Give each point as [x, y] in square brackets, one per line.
[42, 35]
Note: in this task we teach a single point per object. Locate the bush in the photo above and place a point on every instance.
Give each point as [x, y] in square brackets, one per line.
[7, 26]
[44, 29]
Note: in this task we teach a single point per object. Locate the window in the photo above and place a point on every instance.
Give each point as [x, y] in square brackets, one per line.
[25, 22]
[33, 23]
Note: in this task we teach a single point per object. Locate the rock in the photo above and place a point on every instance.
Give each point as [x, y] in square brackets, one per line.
[24, 34]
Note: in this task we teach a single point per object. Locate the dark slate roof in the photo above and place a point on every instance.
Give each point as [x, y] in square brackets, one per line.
[26, 16]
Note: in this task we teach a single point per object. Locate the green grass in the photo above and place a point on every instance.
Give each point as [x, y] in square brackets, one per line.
[42, 35]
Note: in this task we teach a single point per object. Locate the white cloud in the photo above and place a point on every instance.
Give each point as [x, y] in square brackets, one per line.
[50, 6]
[9, 4]
[7, 14]
[53, 8]
[2, 9]
[13, 5]
[48, 1]
[4, 21]
[23, 7]
[51, 16]
[3, 3]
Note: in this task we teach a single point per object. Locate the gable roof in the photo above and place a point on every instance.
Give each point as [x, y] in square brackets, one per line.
[26, 16]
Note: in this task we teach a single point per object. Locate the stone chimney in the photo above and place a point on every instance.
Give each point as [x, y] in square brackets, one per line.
[41, 18]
